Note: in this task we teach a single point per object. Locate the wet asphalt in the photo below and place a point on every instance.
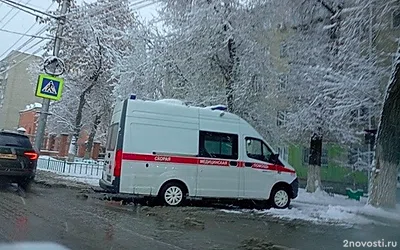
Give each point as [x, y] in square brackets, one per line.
[82, 220]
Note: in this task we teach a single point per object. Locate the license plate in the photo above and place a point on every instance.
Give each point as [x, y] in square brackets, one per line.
[8, 156]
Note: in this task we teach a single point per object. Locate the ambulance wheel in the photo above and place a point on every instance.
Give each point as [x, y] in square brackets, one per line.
[280, 197]
[173, 194]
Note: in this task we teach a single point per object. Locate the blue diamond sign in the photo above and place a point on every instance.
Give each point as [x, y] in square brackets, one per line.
[49, 87]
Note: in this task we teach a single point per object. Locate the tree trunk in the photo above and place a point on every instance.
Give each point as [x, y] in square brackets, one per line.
[92, 134]
[384, 174]
[383, 182]
[78, 126]
[230, 76]
[78, 119]
[314, 168]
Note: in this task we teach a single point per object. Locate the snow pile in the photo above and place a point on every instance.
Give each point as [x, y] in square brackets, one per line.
[46, 157]
[373, 212]
[171, 101]
[322, 198]
[35, 105]
[228, 211]
[321, 208]
[319, 214]
[83, 172]
[81, 178]
[32, 246]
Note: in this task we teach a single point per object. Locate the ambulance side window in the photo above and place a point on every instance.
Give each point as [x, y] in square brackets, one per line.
[256, 149]
[218, 145]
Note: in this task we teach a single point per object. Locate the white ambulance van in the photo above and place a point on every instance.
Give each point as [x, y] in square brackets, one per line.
[175, 152]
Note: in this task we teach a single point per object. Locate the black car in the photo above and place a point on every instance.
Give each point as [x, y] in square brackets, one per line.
[18, 159]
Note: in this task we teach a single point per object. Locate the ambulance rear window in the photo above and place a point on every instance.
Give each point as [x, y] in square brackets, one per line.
[112, 136]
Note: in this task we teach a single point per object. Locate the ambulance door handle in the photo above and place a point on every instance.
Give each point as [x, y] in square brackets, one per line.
[233, 163]
[248, 164]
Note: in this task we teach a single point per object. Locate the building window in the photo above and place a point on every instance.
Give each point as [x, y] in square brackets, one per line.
[283, 50]
[283, 81]
[359, 157]
[324, 157]
[256, 149]
[283, 153]
[396, 19]
[258, 83]
[281, 118]
[306, 155]
[218, 145]
[360, 115]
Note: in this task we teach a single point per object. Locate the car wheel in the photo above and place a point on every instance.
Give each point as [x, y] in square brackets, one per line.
[173, 194]
[280, 198]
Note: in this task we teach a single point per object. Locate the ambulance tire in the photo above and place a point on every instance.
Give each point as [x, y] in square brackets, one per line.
[280, 198]
[173, 194]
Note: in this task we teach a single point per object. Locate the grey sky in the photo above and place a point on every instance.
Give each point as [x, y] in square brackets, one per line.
[19, 21]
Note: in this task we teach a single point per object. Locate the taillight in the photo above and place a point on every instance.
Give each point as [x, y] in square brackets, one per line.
[118, 163]
[31, 155]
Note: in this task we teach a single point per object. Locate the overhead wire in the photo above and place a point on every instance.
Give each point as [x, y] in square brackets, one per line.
[22, 6]
[132, 5]
[21, 9]
[30, 55]
[138, 8]
[16, 13]
[26, 32]
[41, 31]
[98, 10]
[8, 13]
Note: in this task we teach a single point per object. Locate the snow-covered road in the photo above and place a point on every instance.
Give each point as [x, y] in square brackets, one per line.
[80, 219]
[317, 208]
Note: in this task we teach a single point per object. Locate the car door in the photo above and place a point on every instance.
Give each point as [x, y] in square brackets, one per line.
[258, 178]
[218, 172]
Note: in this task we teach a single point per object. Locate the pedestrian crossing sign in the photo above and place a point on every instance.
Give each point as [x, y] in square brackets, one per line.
[49, 87]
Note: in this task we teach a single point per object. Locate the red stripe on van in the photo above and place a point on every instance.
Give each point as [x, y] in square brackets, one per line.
[199, 161]
[174, 159]
[272, 167]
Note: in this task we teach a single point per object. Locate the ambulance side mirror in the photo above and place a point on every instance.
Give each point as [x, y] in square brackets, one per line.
[275, 158]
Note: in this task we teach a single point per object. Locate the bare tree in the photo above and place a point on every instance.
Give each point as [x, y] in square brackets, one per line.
[92, 42]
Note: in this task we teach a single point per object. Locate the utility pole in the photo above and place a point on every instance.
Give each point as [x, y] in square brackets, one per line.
[46, 102]
[370, 41]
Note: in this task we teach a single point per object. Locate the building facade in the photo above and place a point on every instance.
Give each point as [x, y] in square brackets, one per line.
[56, 145]
[16, 87]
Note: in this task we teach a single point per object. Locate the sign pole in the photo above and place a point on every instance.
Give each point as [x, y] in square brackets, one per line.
[46, 102]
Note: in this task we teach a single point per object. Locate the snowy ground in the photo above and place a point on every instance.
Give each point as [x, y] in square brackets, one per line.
[320, 208]
[82, 172]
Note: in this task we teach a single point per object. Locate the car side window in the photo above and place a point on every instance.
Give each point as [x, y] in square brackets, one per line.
[256, 149]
